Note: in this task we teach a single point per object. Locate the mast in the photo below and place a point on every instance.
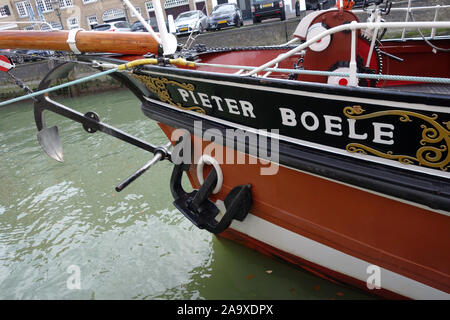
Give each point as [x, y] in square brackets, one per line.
[80, 41]
[136, 43]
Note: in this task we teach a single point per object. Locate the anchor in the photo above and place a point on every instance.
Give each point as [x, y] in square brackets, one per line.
[201, 211]
[48, 137]
[196, 205]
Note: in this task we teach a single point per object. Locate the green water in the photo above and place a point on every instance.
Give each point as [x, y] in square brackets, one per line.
[128, 245]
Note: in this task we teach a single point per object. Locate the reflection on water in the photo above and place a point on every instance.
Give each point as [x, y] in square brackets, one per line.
[128, 245]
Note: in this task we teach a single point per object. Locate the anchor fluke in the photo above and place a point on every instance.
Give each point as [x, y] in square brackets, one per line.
[51, 143]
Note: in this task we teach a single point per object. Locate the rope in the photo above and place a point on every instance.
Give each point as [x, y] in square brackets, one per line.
[19, 83]
[201, 48]
[425, 39]
[129, 65]
[64, 85]
[331, 73]
[183, 62]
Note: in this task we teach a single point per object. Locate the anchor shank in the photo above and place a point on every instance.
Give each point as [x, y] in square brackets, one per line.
[81, 118]
[160, 153]
[138, 173]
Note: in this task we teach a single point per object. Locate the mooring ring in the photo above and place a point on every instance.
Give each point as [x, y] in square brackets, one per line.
[211, 161]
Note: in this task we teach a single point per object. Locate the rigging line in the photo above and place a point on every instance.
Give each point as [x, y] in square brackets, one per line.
[425, 39]
[331, 73]
[120, 67]
[19, 83]
[64, 85]
[191, 39]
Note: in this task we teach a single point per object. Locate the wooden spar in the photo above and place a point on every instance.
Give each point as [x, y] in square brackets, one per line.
[136, 43]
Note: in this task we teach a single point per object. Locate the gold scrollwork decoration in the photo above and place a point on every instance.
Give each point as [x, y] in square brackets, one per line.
[159, 87]
[435, 141]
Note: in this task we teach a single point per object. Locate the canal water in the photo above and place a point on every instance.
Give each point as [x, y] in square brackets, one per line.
[63, 222]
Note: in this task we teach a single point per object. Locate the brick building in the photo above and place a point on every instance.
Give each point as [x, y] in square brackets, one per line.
[69, 14]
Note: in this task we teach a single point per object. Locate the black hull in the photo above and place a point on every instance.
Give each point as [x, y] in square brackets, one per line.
[432, 192]
[420, 182]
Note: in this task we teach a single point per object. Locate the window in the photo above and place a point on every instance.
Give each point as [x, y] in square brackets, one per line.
[175, 3]
[72, 23]
[29, 28]
[56, 25]
[113, 14]
[89, 1]
[137, 9]
[44, 5]
[149, 6]
[3, 12]
[65, 3]
[92, 21]
[23, 7]
[45, 27]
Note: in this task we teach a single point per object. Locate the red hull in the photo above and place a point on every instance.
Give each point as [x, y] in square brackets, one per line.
[402, 238]
[316, 269]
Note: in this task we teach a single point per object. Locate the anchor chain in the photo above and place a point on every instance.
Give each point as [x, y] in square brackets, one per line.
[20, 84]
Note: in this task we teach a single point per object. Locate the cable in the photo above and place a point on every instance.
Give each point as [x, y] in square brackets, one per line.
[424, 39]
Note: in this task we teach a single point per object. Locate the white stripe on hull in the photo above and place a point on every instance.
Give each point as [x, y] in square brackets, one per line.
[330, 258]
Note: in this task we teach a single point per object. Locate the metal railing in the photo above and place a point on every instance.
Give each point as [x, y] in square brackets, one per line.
[410, 10]
[351, 27]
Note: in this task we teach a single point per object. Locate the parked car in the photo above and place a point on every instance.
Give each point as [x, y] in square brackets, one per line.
[36, 55]
[266, 9]
[137, 26]
[225, 15]
[19, 56]
[189, 21]
[360, 3]
[117, 26]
